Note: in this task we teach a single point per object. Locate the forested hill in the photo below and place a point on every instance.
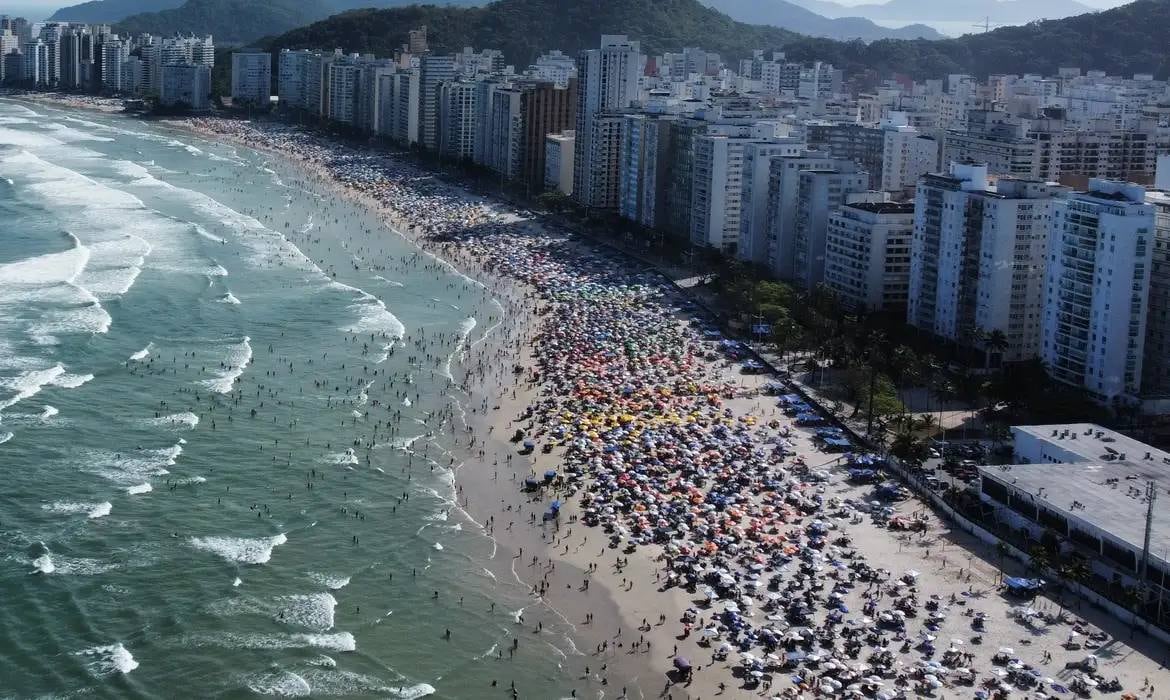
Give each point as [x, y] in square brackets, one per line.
[1129, 39]
[524, 29]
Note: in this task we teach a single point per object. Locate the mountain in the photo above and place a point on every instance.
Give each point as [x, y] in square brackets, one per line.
[103, 11]
[1124, 40]
[241, 21]
[999, 12]
[524, 29]
[788, 15]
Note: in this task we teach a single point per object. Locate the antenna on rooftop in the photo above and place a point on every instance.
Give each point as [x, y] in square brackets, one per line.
[987, 24]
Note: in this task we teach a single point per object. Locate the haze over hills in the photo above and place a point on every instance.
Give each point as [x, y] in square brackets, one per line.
[998, 11]
[229, 21]
[96, 11]
[791, 16]
[1124, 40]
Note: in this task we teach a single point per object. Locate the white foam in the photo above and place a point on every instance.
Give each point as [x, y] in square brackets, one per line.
[5, 437]
[28, 384]
[143, 353]
[228, 298]
[373, 315]
[437, 547]
[139, 489]
[71, 381]
[93, 510]
[237, 582]
[280, 683]
[188, 481]
[133, 467]
[347, 457]
[44, 564]
[70, 135]
[109, 660]
[175, 421]
[333, 583]
[313, 611]
[242, 550]
[334, 641]
[238, 358]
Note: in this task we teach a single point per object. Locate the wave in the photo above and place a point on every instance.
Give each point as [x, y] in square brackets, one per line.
[108, 660]
[28, 384]
[175, 421]
[333, 583]
[139, 489]
[228, 298]
[347, 457]
[241, 550]
[143, 353]
[92, 510]
[47, 413]
[5, 437]
[335, 641]
[373, 315]
[237, 361]
[131, 468]
[285, 684]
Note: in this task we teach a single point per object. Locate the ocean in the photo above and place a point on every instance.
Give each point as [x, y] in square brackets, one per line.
[224, 473]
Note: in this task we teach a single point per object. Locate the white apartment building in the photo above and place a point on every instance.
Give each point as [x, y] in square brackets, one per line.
[114, 51]
[459, 120]
[252, 78]
[757, 172]
[292, 75]
[867, 255]
[554, 67]
[1100, 253]
[977, 262]
[718, 178]
[783, 192]
[558, 161]
[608, 81]
[343, 90]
[186, 84]
[819, 193]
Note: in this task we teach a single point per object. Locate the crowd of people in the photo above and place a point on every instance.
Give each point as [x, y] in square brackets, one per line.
[644, 428]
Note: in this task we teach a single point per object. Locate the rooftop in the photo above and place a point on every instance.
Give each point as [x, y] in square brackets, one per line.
[884, 207]
[1110, 496]
[1094, 443]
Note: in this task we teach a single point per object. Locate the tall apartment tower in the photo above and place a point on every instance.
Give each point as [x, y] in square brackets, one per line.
[977, 260]
[608, 80]
[1100, 252]
[434, 70]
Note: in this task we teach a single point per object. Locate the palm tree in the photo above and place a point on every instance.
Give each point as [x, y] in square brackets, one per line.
[1001, 551]
[994, 342]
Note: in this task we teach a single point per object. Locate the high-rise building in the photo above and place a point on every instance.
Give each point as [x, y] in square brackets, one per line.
[643, 168]
[1100, 255]
[434, 70]
[133, 75]
[717, 197]
[893, 153]
[343, 92]
[186, 85]
[977, 262]
[819, 192]
[292, 76]
[608, 81]
[756, 191]
[69, 58]
[867, 255]
[252, 77]
[783, 194]
[558, 162]
[458, 119]
[1156, 362]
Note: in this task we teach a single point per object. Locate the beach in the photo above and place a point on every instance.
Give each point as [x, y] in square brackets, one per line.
[664, 520]
[740, 555]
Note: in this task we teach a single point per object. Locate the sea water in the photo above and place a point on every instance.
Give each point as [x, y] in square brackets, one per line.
[186, 336]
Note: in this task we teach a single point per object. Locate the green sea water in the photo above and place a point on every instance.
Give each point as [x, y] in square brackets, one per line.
[215, 400]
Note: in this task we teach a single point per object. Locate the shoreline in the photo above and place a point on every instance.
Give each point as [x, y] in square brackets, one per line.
[968, 583]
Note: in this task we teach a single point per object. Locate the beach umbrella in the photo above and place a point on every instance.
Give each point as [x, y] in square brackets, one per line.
[681, 663]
